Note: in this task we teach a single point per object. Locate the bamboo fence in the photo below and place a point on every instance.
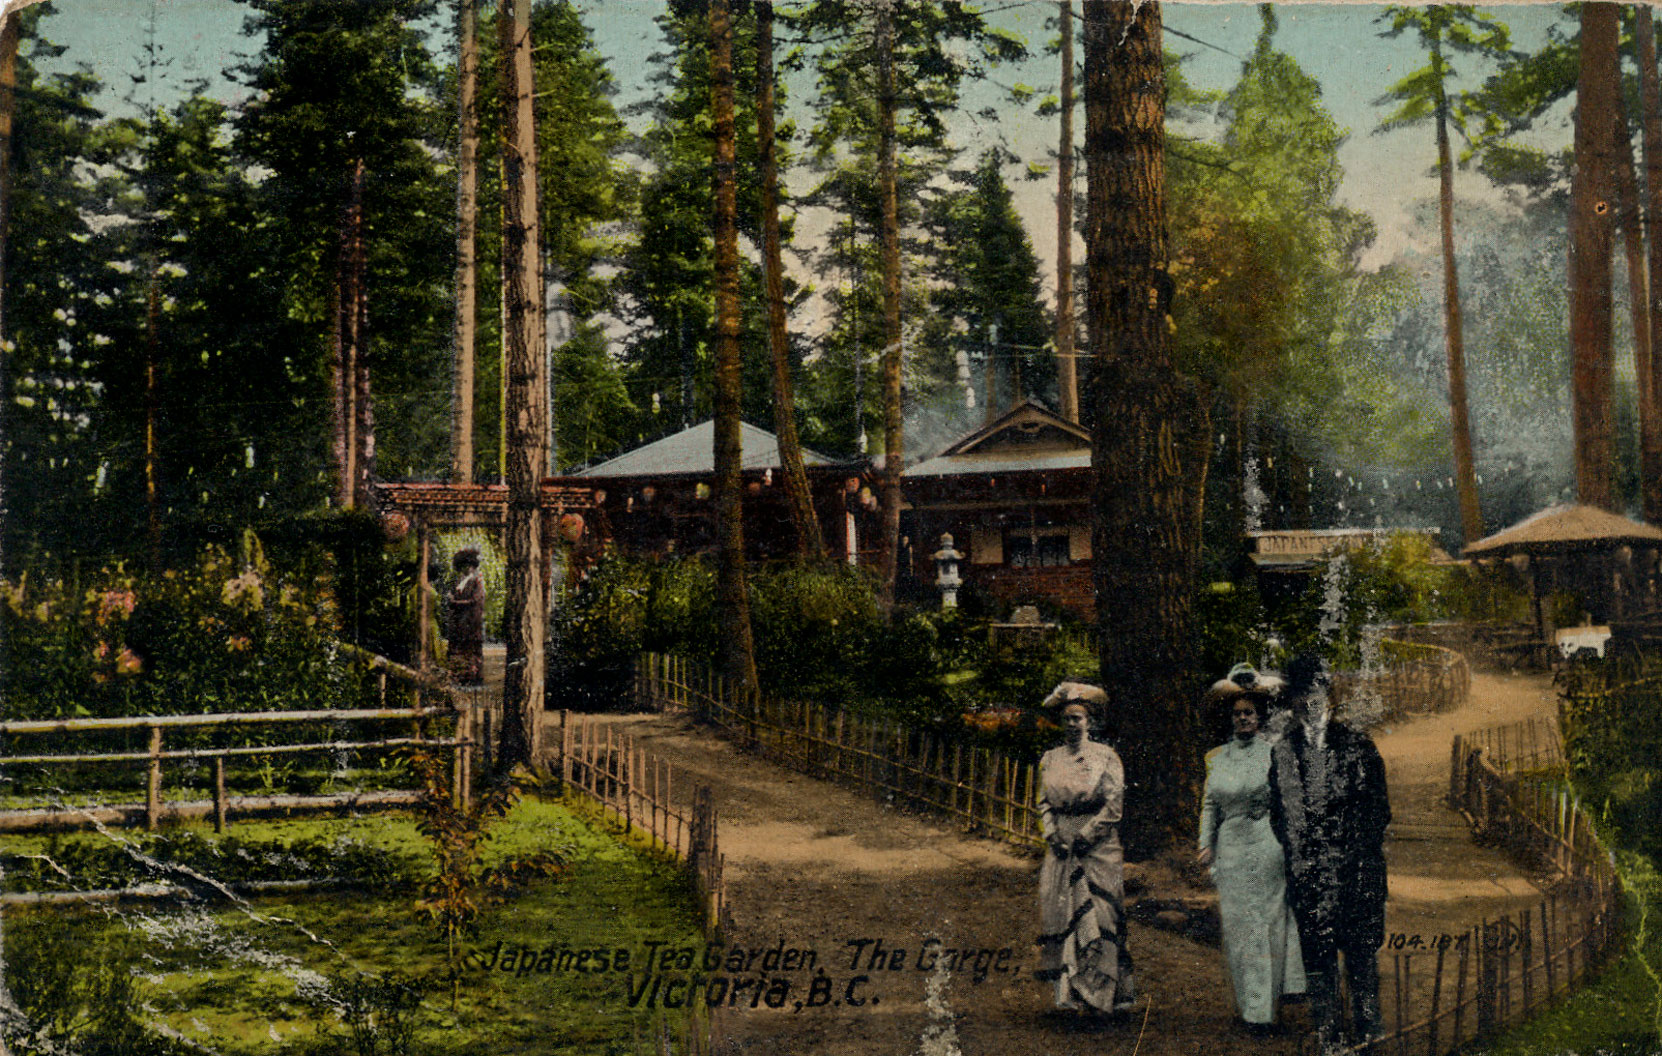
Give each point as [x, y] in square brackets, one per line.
[639, 790]
[986, 790]
[1442, 993]
[1412, 679]
[1530, 745]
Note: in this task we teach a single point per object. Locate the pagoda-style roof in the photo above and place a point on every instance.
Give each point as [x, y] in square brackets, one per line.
[692, 452]
[1566, 527]
[1030, 437]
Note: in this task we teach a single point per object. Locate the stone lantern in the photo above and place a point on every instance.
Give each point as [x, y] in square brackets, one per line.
[946, 572]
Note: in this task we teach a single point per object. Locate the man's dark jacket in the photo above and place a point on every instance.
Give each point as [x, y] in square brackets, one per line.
[1329, 809]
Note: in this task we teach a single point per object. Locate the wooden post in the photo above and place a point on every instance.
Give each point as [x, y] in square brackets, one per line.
[424, 594]
[456, 793]
[1399, 983]
[1526, 954]
[153, 795]
[219, 793]
[1548, 918]
[1486, 964]
[1454, 781]
[1469, 938]
[1436, 1002]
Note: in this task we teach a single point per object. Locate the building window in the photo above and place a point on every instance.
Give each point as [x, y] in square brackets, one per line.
[1026, 550]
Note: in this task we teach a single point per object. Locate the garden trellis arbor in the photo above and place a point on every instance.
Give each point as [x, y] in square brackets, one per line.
[567, 511]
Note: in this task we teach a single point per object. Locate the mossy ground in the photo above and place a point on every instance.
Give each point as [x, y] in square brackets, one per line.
[248, 978]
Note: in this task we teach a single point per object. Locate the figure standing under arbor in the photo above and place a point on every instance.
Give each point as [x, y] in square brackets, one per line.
[467, 618]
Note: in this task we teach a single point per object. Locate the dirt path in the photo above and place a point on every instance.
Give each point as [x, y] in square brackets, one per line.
[819, 866]
[1440, 881]
[816, 866]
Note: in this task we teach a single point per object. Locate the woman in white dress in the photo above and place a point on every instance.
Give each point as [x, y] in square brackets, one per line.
[1081, 884]
[1260, 937]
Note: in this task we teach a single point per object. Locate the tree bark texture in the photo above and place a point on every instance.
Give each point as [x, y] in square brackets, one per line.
[894, 456]
[1067, 372]
[467, 221]
[343, 367]
[1627, 213]
[1460, 424]
[1150, 441]
[1650, 381]
[152, 353]
[1591, 202]
[363, 403]
[10, 30]
[527, 393]
[738, 659]
[810, 539]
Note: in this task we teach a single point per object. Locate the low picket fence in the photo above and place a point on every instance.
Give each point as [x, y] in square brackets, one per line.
[1499, 971]
[638, 791]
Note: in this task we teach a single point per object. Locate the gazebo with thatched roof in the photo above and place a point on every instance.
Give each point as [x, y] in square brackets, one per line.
[1610, 563]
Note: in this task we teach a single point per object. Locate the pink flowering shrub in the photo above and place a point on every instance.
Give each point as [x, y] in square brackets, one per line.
[224, 635]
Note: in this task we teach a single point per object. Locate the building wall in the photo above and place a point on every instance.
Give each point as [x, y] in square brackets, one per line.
[1064, 587]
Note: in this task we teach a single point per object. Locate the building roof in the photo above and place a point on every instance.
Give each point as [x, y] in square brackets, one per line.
[1566, 527]
[1001, 462]
[692, 451]
[1030, 437]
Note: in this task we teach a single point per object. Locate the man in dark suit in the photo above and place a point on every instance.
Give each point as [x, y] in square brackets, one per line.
[1329, 808]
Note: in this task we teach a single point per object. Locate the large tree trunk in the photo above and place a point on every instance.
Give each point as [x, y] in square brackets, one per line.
[1465, 472]
[894, 456]
[10, 30]
[1591, 195]
[467, 220]
[738, 660]
[152, 353]
[1627, 213]
[527, 397]
[1067, 373]
[1149, 437]
[343, 367]
[810, 540]
[363, 404]
[1650, 382]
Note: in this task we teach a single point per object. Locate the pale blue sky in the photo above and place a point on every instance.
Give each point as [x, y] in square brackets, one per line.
[1337, 43]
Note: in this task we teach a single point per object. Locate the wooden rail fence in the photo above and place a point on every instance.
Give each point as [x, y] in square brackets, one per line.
[985, 789]
[419, 711]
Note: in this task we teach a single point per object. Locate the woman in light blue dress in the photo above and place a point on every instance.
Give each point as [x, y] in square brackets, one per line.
[1260, 938]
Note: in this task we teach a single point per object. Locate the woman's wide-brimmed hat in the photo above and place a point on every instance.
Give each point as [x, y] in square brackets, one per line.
[1244, 679]
[1067, 693]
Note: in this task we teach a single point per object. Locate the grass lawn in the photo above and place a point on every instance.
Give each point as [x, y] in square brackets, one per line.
[261, 977]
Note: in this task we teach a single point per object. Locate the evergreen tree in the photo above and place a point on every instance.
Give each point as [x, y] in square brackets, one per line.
[985, 287]
[668, 271]
[586, 192]
[1445, 31]
[48, 393]
[345, 117]
[1151, 434]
